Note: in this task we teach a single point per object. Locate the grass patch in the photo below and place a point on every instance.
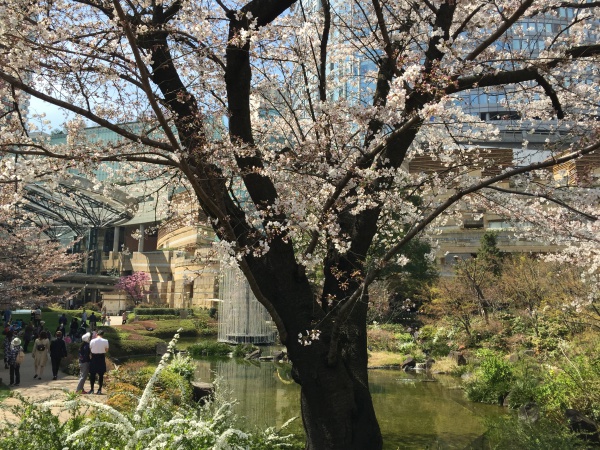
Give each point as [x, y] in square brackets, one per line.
[4, 392]
[383, 358]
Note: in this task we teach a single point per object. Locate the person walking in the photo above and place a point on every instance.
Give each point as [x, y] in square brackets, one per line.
[84, 363]
[8, 337]
[27, 336]
[73, 328]
[63, 320]
[93, 321]
[7, 314]
[98, 349]
[37, 313]
[41, 347]
[15, 359]
[58, 351]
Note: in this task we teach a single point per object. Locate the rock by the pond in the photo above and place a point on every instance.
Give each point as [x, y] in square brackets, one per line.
[585, 427]
[408, 363]
[161, 348]
[280, 356]
[254, 355]
[201, 392]
[513, 358]
[421, 366]
[529, 412]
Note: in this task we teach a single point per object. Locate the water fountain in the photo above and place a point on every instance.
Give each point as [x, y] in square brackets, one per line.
[242, 319]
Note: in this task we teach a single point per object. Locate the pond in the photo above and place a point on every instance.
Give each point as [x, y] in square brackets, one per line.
[414, 411]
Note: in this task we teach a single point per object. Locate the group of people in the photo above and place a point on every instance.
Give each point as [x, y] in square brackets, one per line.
[92, 351]
[43, 349]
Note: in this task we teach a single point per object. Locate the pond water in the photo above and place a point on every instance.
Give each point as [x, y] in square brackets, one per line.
[414, 411]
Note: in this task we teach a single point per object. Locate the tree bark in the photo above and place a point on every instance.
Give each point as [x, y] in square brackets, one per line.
[337, 408]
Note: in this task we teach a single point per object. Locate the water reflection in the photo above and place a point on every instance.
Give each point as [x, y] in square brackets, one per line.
[415, 412]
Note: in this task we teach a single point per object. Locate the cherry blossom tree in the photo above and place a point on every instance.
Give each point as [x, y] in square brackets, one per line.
[29, 261]
[307, 130]
[134, 285]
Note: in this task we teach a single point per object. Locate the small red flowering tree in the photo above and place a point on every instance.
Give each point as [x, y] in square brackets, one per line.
[134, 285]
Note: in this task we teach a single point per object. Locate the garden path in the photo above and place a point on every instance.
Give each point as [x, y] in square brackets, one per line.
[45, 388]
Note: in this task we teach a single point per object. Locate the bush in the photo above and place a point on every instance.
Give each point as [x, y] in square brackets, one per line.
[575, 385]
[159, 311]
[156, 317]
[492, 381]
[510, 433]
[209, 348]
[241, 350]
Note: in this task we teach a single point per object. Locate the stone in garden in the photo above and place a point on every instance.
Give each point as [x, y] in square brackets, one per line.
[585, 427]
[253, 355]
[161, 348]
[408, 363]
[529, 412]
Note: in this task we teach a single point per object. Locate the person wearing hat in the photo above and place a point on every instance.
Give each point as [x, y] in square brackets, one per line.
[98, 349]
[14, 361]
[58, 351]
[84, 363]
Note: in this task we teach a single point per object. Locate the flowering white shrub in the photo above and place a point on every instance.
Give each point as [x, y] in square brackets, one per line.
[153, 425]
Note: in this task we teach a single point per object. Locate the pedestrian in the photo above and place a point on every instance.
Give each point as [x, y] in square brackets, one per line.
[58, 350]
[63, 320]
[84, 319]
[8, 337]
[124, 317]
[27, 336]
[84, 363]
[73, 328]
[15, 359]
[7, 316]
[38, 316]
[62, 329]
[98, 349]
[41, 347]
[93, 321]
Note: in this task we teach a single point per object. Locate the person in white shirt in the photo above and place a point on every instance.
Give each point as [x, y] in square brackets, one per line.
[98, 349]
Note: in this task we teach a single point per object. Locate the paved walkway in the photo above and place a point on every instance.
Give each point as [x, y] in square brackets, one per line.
[46, 387]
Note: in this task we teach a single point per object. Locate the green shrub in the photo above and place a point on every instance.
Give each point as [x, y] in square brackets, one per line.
[510, 433]
[183, 366]
[492, 381]
[241, 350]
[156, 317]
[159, 311]
[574, 385]
[208, 348]
[164, 329]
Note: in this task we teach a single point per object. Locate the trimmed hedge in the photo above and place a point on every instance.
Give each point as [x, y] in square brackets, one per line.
[155, 317]
[160, 311]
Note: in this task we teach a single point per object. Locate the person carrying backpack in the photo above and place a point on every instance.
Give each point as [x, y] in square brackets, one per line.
[41, 348]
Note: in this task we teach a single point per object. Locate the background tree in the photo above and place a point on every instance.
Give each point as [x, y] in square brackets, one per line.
[29, 262]
[134, 286]
[324, 160]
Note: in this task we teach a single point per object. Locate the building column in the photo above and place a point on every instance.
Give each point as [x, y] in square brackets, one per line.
[116, 241]
[142, 237]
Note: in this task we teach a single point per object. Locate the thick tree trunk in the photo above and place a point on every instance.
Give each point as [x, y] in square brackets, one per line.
[337, 410]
